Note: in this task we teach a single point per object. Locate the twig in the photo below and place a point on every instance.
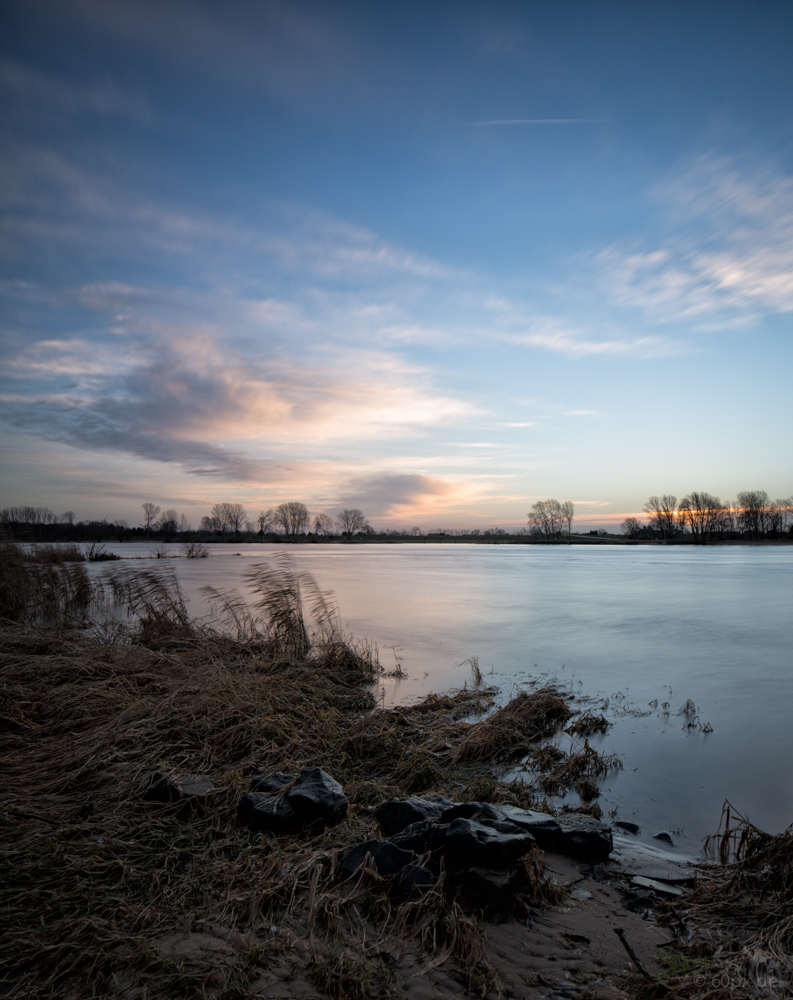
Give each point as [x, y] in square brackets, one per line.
[633, 956]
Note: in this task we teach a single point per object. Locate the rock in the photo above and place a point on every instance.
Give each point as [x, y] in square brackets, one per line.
[486, 843]
[415, 880]
[317, 798]
[581, 895]
[666, 837]
[428, 835]
[268, 812]
[483, 889]
[585, 838]
[622, 824]
[661, 887]
[271, 783]
[544, 828]
[630, 863]
[387, 858]
[397, 814]
[470, 810]
[176, 787]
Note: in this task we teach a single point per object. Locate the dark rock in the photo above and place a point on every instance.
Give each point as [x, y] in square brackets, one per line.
[483, 889]
[415, 880]
[663, 835]
[268, 812]
[176, 787]
[387, 858]
[486, 843]
[420, 837]
[270, 783]
[584, 837]
[544, 828]
[396, 815]
[317, 798]
[470, 810]
[622, 824]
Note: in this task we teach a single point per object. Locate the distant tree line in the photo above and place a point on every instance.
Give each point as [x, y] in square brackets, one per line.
[753, 515]
[697, 517]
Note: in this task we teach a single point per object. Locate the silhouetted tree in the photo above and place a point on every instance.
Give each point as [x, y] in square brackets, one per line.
[549, 516]
[150, 512]
[292, 517]
[703, 513]
[350, 521]
[169, 523]
[323, 524]
[754, 514]
[631, 526]
[662, 512]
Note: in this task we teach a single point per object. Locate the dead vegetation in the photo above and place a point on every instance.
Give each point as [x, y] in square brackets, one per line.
[734, 930]
[100, 883]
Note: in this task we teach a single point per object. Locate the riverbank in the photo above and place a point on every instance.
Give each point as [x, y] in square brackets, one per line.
[113, 894]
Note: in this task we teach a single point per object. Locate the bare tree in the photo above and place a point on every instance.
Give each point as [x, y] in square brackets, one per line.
[350, 521]
[211, 524]
[169, 523]
[415, 532]
[662, 512]
[754, 512]
[67, 517]
[781, 515]
[631, 526]
[568, 513]
[236, 517]
[292, 517]
[265, 521]
[150, 512]
[703, 513]
[323, 524]
[547, 517]
[184, 524]
[229, 516]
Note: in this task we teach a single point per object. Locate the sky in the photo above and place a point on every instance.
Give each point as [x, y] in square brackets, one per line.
[432, 260]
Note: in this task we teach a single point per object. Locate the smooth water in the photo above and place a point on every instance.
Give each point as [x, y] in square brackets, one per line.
[631, 624]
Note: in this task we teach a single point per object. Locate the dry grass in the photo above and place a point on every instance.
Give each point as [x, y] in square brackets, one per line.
[734, 930]
[97, 878]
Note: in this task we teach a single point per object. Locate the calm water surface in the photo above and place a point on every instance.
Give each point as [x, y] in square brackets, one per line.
[631, 624]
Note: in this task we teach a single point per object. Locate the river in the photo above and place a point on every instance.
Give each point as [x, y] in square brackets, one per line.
[631, 624]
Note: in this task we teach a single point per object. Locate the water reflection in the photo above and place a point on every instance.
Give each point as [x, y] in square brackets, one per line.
[631, 625]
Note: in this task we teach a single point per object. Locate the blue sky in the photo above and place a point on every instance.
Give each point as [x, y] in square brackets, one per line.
[432, 260]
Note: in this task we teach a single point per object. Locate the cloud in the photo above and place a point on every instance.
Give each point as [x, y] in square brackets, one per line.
[554, 335]
[730, 257]
[541, 121]
[412, 496]
[193, 397]
[48, 93]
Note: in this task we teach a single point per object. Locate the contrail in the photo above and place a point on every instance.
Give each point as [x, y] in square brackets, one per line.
[539, 121]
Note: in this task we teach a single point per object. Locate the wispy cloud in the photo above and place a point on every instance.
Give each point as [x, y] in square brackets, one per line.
[49, 94]
[541, 121]
[730, 256]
